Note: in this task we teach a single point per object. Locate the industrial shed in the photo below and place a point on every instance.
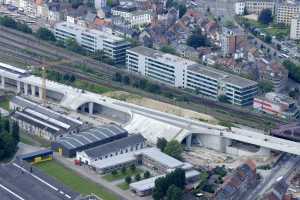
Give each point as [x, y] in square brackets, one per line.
[68, 146]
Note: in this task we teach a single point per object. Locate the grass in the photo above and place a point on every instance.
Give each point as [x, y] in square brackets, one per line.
[5, 103]
[74, 181]
[26, 140]
[120, 175]
[100, 89]
[123, 186]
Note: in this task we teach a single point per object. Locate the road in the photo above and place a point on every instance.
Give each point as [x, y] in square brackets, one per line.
[283, 168]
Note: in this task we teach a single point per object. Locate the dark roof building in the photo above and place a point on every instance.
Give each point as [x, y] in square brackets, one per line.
[289, 131]
[69, 145]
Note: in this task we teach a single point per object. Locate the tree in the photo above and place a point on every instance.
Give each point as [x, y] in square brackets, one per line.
[128, 179]
[161, 143]
[114, 172]
[6, 125]
[72, 45]
[174, 193]
[223, 98]
[182, 10]
[265, 86]
[147, 174]
[294, 93]
[294, 70]
[15, 131]
[169, 3]
[268, 39]
[137, 177]
[45, 34]
[160, 188]
[174, 149]
[132, 167]
[168, 49]
[117, 77]
[265, 16]
[197, 39]
[123, 169]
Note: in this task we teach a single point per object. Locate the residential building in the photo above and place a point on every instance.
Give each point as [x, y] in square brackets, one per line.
[285, 12]
[214, 83]
[163, 67]
[69, 145]
[256, 6]
[295, 28]
[183, 73]
[277, 191]
[274, 72]
[92, 40]
[100, 4]
[118, 147]
[124, 10]
[278, 105]
[235, 186]
[290, 131]
[29, 7]
[41, 121]
[239, 8]
[231, 41]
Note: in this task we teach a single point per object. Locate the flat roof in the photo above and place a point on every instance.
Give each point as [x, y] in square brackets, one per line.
[91, 136]
[35, 153]
[113, 161]
[221, 76]
[17, 183]
[161, 56]
[160, 157]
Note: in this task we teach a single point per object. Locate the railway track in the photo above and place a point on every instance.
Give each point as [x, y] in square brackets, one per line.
[104, 72]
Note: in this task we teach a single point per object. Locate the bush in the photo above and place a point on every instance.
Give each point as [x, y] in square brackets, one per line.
[128, 179]
[45, 34]
[137, 177]
[147, 174]
[123, 170]
[132, 167]
[114, 172]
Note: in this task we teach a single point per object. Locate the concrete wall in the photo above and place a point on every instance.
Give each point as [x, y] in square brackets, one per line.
[214, 142]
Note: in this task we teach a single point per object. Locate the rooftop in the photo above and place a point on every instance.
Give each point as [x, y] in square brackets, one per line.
[91, 136]
[116, 145]
[161, 56]
[222, 76]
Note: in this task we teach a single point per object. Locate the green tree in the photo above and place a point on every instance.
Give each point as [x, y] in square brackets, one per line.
[161, 143]
[174, 193]
[137, 177]
[128, 179]
[45, 34]
[174, 149]
[132, 167]
[265, 16]
[168, 49]
[114, 172]
[265, 86]
[6, 124]
[182, 10]
[160, 189]
[72, 45]
[268, 39]
[147, 174]
[294, 70]
[123, 170]
[15, 131]
[197, 39]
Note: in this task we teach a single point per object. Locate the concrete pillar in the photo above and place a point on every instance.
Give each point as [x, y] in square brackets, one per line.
[2, 82]
[91, 108]
[82, 108]
[33, 90]
[18, 86]
[189, 141]
[26, 89]
[40, 92]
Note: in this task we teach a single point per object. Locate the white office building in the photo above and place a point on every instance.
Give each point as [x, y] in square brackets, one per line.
[295, 28]
[92, 40]
[239, 8]
[183, 73]
[285, 12]
[163, 67]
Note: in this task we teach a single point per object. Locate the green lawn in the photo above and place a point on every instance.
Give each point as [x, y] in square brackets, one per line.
[120, 175]
[26, 140]
[74, 181]
[4, 103]
[123, 186]
[92, 87]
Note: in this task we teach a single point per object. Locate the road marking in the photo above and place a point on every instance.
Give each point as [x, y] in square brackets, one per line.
[11, 192]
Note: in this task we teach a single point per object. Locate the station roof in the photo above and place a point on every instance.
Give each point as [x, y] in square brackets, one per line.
[115, 145]
[36, 153]
[91, 136]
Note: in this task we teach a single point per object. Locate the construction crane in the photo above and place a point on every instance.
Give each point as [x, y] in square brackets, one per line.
[44, 76]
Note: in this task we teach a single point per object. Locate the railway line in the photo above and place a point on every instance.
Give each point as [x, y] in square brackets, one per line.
[12, 43]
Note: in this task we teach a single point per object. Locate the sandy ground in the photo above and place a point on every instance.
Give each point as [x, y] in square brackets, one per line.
[161, 106]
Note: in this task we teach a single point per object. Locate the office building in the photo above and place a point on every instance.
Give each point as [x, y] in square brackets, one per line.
[256, 6]
[154, 64]
[285, 12]
[37, 120]
[295, 28]
[239, 8]
[69, 145]
[92, 40]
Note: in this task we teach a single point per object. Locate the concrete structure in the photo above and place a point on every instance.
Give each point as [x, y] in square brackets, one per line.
[92, 40]
[214, 83]
[234, 187]
[69, 145]
[285, 12]
[99, 4]
[278, 105]
[118, 147]
[152, 123]
[295, 28]
[41, 121]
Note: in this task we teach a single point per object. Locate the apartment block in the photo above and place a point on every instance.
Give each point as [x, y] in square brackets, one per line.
[256, 6]
[92, 40]
[183, 73]
[295, 28]
[285, 12]
[231, 41]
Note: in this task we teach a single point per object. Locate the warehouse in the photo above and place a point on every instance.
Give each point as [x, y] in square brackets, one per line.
[118, 147]
[69, 145]
[41, 121]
